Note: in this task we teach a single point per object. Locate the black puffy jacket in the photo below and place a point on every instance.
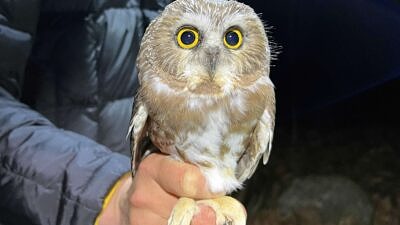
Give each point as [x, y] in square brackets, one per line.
[67, 81]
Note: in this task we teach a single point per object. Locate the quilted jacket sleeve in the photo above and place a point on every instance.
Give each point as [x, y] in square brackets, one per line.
[49, 175]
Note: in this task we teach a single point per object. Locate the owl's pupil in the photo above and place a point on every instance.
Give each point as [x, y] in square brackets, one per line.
[187, 37]
[232, 38]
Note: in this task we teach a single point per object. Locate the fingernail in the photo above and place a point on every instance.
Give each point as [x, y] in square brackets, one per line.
[189, 183]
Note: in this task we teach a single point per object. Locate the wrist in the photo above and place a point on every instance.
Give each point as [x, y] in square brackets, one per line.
[116, 203]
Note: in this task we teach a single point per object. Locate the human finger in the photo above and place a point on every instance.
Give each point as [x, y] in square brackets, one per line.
[140, 216]
[206, 216]
[147, 194]
[178, 178]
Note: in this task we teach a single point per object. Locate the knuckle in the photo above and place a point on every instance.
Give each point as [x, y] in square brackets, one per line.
[138, 199]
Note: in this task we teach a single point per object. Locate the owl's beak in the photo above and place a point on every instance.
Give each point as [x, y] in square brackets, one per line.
[212, 55]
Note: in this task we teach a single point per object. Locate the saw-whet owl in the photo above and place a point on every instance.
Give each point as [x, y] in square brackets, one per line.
[205, 95]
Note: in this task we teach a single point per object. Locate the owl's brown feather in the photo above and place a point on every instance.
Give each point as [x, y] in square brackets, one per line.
[138, 133]
[222, 123]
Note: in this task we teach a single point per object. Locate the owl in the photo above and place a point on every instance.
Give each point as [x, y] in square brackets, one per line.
[205, 97]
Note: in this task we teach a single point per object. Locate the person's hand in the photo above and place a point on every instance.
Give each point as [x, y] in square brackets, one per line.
[149, 198]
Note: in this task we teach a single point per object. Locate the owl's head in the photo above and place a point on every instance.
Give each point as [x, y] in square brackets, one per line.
[206, 46]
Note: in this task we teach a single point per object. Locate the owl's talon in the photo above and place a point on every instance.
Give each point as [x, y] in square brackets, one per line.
[228, 221]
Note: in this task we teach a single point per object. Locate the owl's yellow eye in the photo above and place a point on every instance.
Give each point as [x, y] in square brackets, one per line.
[233, 38]
[187, 37]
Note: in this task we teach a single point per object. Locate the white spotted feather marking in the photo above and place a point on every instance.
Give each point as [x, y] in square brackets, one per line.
[221, 176]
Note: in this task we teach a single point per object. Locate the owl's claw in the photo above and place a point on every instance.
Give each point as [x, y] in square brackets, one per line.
[228, 211]
[228, 221]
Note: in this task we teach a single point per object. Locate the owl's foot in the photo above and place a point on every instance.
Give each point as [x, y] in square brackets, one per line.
[183, 212]
[228, 211]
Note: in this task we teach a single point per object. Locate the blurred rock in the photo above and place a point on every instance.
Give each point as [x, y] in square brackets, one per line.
[386, 212]
[324, 200]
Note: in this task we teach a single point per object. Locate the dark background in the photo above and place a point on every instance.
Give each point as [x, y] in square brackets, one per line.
[332, 51]
[337, 78]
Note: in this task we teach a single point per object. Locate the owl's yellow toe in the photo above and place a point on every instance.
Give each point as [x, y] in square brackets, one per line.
[183, 212]
[227, 209]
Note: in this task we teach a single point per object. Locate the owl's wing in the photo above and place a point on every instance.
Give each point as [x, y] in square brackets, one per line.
[260, 145]
[138, 133]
